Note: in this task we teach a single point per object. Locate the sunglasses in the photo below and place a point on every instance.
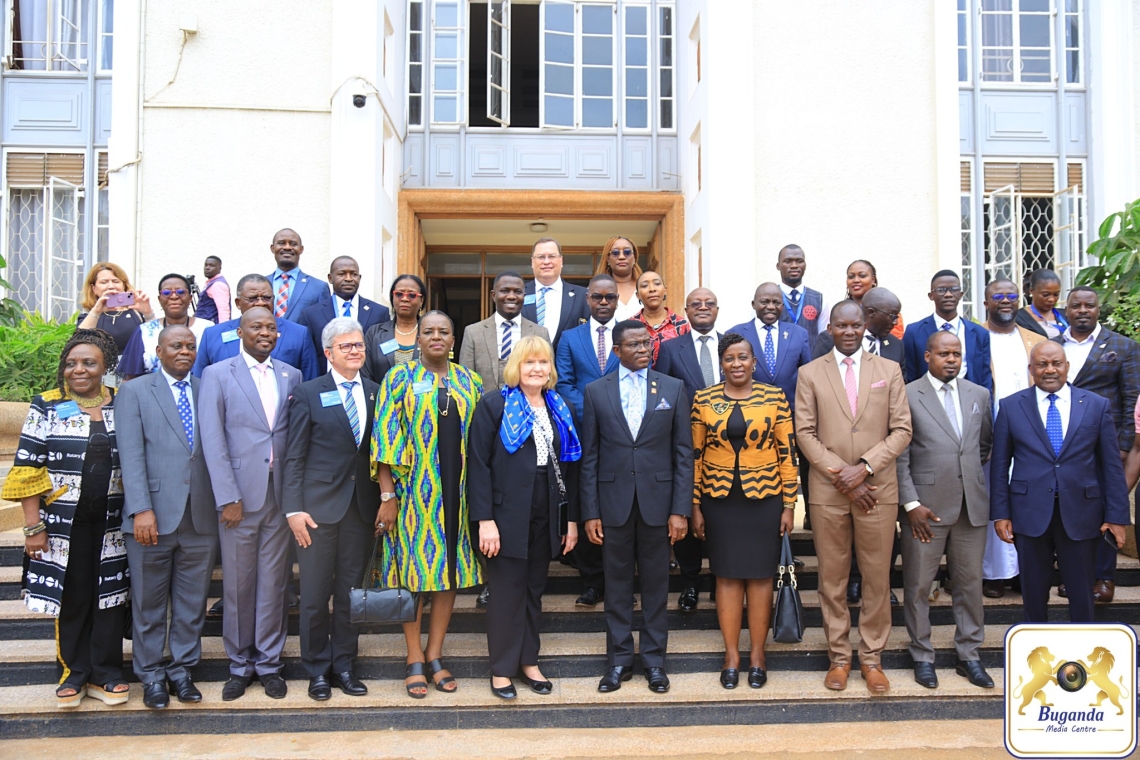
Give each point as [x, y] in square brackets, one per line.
[702, 304]
[167, 292]
[406, 295]
[892, 315]
[604, 297]
[622, 253]
[999, 297]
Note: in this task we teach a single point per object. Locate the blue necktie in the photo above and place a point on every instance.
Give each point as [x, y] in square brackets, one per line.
[540, 306]
[795, 297]
[505, 351]
[347, 309]
[350, 410]
[770, 351]
[1053, 425]
[185, 412]
[947, 326]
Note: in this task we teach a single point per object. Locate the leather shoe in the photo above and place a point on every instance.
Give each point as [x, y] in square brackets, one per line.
[876, 679]
[730, 677]
[894, 600]
[688, 600]
[504, 692]
[993, 589]
[589, 598]
[1103, 591]
[235, 688]
[155, 696]
[538, 687]
[854, 592]
[349, 684]
[757, 677]
[924, 675]
[1062, 591]
[216, 609]
[274, 685]
[185, 690]
[611, 681]
[484, 596]
[319, 688]
[974, 673]
[658, 681]
[836, 678]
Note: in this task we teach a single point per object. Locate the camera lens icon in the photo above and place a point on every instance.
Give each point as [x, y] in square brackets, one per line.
[1072, 677]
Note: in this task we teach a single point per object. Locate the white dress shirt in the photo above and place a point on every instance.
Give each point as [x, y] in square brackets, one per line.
[626, 309]
[762, 334]
[1064, 406]
[1077, 351]
[177, 393]
[357, 396]
[959, 414]
[353, 307]
[516, 330]
[712, 351]
[959, 331]
[553, 308]
[839, 357]
[624, 387]
[594, 325]
[1010, 364]
[871, 344]
[824, 309]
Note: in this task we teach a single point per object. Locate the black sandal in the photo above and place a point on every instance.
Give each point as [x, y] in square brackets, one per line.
[436, 666]
[65, 701]
[415, 669]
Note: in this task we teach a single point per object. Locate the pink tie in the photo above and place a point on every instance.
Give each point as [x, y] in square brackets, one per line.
[849, 386]
[267, 403]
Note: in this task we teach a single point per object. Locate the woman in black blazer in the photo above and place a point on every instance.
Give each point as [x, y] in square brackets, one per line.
[522, 444]
[392, 343]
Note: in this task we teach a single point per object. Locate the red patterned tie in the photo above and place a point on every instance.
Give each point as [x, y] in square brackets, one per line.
[282, 296]
[849, 386]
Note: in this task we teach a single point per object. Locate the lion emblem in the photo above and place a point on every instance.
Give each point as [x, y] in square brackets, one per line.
[1040, 662]
[1099, 669]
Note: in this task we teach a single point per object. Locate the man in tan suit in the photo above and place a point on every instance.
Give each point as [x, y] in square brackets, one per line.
[487, 345]
[852, 422]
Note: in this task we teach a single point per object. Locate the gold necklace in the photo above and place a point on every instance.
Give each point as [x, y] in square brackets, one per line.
[396, 325]
[446, 392]
[90, 403]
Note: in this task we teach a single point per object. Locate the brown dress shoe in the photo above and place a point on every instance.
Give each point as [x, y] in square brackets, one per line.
[993, 589]
[876, 679]
[836, 678]
[1103, 591]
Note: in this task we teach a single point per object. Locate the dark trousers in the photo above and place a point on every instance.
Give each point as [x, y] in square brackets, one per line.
[805, 468]
[89, 639]
[515, 606]
[1075, 559]
[331, 566]
[644, 548]
[588, 560]
[1105, 562]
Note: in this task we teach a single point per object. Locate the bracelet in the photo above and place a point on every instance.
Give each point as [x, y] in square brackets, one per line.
[790, 505]
[35, 529]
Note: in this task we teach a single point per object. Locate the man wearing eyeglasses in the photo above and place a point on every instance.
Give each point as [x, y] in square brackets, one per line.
[331, 502]
[221, 342]
[946, 293]
[550, 301]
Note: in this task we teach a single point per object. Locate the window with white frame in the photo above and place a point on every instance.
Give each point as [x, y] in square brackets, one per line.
[578, 65]
[666, 68]
[967, 225]
[597, 72]
[448, 56]
[102, 214]
[558, 64]
[635, 41]
[106, 34]
[1017, 41]
[415, 62]
[1072, 41]
[48, 35]
[499, 62]
[963, 41]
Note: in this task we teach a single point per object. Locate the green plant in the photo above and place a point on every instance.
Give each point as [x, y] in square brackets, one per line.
[1125, 316]
[1116, 276]
[29, 355]
[11, 313]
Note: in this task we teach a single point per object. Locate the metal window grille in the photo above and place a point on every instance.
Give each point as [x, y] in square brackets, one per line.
[47, 35]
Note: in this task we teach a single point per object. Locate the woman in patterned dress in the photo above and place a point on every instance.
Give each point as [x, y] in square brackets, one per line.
[66, 475]
[662, 322]
[419, 447]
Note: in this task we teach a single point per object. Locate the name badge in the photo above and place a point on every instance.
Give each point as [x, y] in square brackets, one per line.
[423, 386]
[67, 409]
[528, 299]
[331, 398]
[229, 336]
[389, 346]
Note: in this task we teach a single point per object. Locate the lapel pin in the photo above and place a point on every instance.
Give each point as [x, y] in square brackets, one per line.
[571, 293]
[785, 334]
[1102, 345]
[366, 307]
[284, 374]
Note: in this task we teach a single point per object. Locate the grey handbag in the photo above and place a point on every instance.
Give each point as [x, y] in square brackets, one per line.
[381, 605]
[788, 617]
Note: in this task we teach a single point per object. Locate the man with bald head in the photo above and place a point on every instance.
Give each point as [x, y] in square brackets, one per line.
[345, 301]
[293, 290]
[802, 305]
[1057, 487]
[781, 348]
[881, 308]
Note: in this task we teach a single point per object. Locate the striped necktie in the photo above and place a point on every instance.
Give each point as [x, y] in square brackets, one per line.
[540, 305]
[351, 410]
[282, 297]
[505, 350]
[347, 309]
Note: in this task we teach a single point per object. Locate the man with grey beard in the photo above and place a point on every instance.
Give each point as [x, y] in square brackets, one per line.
[1010, 345]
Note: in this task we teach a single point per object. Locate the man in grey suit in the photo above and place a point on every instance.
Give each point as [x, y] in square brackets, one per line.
[245, 423]
[487, 345]
[942, 486]
[169, 522]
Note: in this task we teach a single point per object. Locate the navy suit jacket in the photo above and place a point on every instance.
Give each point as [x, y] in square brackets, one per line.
[575, 308]
[293, 347]
[793, 350]
[1087, 475]
[678, 358]
[1113, 371]
[307, 290]
[577, 365]
[976, 344]
[320, 314]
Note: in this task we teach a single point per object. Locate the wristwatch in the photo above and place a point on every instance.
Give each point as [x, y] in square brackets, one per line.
[868, 466]
[385, 495]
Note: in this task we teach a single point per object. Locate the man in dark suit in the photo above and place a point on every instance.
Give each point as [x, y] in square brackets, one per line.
[1107, 364]
[636, 421]
[169, 521]
[584, 355]
[1066, 493]
[942, 487]
[220, 342]
[331, 502]
[345, 301]
[881, 308]
[550, 301]
[692, 359]
[781, 348]
[244, 414]
[946, 293]
[803, 306]
[293, 290]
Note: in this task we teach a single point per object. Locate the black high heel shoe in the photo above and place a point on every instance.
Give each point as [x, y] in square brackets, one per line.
[503, 692]
[538, 687]
[757, 677]
[730, 678]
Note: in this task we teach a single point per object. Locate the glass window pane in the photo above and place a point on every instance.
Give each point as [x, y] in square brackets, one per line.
[559, 110]
[666, 114]
[445, 108]
[496, 38]
[577, 264]
[559, 48]
[961, 5]
[559, 17]
[997, 5]
[997, 30]
[597, 112]
[416, 20]
[636, 83]
[597, 51]
[962, 70]
[454, 263]
[961, 29]
[415, 110]
[667, 22]
[1039, 6]
[446, 77]
[636, 51]
[636, 20]
[447, 14]
[597, 19]
[559, 79]
[666, 52]
[1072, 6]
[637, 114]
[1072, 32]
[1035, 66]
[447, 46]
[1074, 66]
[415, 78]
[1035, 31]
[508, 262]
[415, 48]
[997, 65]
[108, 16]
[597, 82]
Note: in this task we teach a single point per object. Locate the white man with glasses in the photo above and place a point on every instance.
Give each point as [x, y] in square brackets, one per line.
[550, 301]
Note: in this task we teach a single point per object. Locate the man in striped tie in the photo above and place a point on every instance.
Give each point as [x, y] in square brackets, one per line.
[331, 503]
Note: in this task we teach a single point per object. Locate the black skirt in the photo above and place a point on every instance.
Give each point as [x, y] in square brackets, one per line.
[743, 535]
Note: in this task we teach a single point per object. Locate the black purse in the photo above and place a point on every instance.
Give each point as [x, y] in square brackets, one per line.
[788, 615]
[381, 605]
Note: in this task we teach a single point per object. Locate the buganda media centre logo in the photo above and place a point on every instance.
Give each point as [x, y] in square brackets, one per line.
[1070, 690]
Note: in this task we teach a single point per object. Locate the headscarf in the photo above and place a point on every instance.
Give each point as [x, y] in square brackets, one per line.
[518, 423]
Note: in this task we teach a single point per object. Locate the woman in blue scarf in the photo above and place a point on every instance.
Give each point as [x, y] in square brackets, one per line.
[522, 488]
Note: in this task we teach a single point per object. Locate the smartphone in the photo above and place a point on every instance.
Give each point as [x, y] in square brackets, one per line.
[120, 300]
[1110, 540]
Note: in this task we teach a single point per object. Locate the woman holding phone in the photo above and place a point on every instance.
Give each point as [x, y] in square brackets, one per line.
[111, 306]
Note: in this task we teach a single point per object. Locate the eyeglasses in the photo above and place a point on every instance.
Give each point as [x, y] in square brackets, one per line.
[943, 289]
[702, 304]
[258, 299]
[622, 253]
[999, 297]
[892, 315]
[346, 347]
[546, 256]
[167, 292]
[604, 297]
[637, 345]
[406, 295]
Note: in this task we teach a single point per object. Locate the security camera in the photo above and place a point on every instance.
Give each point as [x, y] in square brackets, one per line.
[359, 100]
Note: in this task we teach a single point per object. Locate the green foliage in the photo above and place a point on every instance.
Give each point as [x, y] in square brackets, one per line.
[1117, 275]
[11, 314]
[1125, 317]
[29, 355]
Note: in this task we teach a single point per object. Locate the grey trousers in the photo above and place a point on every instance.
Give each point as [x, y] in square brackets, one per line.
[964, 546]
[253, 586]
[175, 571]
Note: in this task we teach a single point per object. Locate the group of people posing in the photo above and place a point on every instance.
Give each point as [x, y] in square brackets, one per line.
[595, 425]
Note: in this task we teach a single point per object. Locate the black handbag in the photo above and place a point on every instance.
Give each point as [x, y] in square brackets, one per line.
[788, 615]
[381, 605]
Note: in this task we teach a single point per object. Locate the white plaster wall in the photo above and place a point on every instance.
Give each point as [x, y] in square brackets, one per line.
[1113, 126]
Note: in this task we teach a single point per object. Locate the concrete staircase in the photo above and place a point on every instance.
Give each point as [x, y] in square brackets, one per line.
[573, 656]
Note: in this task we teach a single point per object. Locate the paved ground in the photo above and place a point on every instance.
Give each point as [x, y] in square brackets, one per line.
[960, 740]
